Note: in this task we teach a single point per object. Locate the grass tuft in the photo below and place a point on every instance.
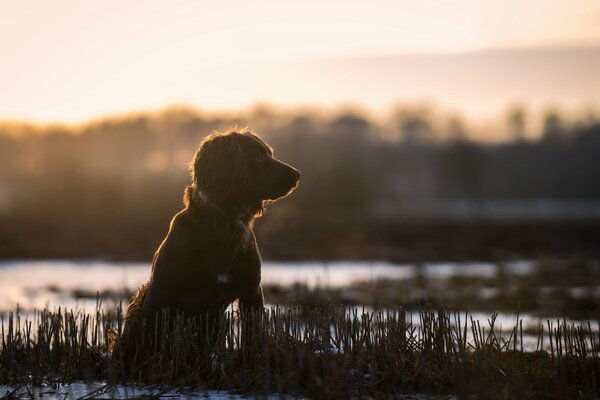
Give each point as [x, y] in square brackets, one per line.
[327, 352]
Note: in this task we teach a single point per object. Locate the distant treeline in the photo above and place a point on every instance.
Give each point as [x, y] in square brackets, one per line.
[109, 188]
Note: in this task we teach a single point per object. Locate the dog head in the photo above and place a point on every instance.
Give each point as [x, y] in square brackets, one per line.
[237, 173]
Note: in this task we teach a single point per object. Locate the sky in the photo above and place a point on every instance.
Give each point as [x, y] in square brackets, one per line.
[69, 60]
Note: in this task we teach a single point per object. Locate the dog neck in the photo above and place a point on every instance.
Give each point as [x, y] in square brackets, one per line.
[246, 214]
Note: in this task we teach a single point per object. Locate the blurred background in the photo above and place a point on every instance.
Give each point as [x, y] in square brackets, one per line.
[456, 142]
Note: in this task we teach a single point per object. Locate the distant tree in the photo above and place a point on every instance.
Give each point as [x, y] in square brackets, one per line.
[350, 150]
[589, 118]
[463, 169]
[413, 125]
[300, 125]
[456, 129]
[516, 120]
[350, 126]
[553, 125]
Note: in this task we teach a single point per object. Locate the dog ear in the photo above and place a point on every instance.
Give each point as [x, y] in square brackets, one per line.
[221, 172]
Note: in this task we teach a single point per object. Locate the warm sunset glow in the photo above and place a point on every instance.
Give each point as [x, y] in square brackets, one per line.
[68, 61]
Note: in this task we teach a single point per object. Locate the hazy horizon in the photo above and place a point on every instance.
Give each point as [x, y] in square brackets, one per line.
[535, 77]
[65, 62]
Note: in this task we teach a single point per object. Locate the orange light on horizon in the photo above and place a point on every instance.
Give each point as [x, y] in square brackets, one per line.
[70, 61]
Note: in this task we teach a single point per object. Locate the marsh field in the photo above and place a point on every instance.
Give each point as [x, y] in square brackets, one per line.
[413, 261]
[520, 329]
[422, 179]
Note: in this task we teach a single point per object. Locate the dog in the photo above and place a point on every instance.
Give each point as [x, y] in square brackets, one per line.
[209, 257]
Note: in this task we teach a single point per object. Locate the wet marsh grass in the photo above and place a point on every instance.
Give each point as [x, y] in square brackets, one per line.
[325, 352]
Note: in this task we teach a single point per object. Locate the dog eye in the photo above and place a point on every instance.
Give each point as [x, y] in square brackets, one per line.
[261, 158]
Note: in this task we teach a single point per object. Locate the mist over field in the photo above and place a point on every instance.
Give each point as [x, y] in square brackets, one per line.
[411, 186]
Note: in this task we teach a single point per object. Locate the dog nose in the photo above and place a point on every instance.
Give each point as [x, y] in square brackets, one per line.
[296, 174]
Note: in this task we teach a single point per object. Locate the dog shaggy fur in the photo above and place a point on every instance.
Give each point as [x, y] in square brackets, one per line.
[209, 257]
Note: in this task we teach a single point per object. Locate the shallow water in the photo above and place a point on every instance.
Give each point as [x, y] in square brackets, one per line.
[100, 390]
[50, 283]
